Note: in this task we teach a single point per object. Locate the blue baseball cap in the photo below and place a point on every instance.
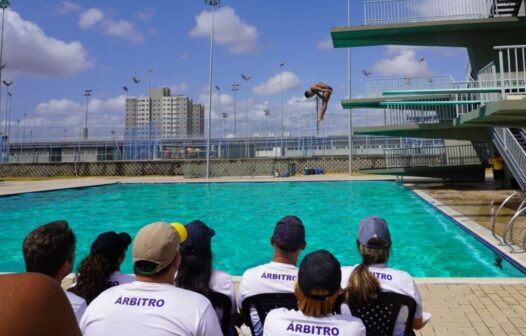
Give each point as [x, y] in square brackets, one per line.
[289, 233]
[199, 237]
[373, 233]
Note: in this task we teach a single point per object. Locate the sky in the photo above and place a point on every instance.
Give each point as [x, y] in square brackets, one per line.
[55, 50]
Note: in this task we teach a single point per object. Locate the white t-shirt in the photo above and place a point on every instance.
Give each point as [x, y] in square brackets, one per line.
[273, 277]
[284, 322]
[144, 308]
[391, 280]
[77, 303]
[117, 278]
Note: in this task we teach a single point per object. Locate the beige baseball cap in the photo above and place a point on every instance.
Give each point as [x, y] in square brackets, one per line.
[157, 243]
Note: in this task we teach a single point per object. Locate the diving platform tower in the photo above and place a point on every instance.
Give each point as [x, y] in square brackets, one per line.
[484, 112]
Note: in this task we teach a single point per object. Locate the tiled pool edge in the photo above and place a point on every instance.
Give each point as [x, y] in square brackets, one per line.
[66, 283]
[478, 231]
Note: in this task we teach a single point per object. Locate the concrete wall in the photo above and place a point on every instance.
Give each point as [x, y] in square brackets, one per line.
[190, 168]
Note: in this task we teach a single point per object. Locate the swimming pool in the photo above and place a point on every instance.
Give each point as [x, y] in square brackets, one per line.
[425, 242]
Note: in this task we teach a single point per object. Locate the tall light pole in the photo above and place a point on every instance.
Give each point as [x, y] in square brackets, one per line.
[3, 4]
[267, 115]
[212, 3]
[281, 149]
[149, 115]
[349, 81]
[218, 98]
[24, 128]
[87, 94]
[225, 117]
[7, 119]
[421, 61]
[135, 127]
[235, 88]
[246, 79]
[218, 89]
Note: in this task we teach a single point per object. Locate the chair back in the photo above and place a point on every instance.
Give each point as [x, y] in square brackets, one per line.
[379, 314]
[222, 302]
[264, 303]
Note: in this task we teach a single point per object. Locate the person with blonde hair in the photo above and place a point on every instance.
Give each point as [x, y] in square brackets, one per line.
[363, 281]
[316, 290]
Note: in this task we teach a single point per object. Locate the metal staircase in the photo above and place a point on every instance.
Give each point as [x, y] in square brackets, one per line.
[520, 136]
[506, 7]
[511, 146]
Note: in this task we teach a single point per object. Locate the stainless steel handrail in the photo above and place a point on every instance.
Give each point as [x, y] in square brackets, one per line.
[509, 229]
[496, 214]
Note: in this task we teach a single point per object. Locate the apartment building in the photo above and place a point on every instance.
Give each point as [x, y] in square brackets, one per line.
[171, 117]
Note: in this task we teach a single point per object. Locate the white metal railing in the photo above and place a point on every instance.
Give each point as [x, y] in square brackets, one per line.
[375, 87]
[431, 156]
[513, 148]
[512, 70]
[411, 115]
[402, 11]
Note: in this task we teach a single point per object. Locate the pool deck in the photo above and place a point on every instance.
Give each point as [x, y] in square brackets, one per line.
[460, 306]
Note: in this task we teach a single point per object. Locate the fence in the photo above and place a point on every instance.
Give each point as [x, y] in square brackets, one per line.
[193, 168]
[376, 87]
[195, 149]
[432, 156]
[377, 12]
[512, 70]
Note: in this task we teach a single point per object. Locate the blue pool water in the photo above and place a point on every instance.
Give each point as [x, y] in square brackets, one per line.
[425, 242]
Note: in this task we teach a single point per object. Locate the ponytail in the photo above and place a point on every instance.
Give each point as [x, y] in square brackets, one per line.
[363, 285]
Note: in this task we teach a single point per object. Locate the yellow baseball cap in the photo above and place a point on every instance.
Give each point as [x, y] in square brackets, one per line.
[181, 230]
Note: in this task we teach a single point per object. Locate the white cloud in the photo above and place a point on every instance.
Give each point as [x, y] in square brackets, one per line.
[403, 62]
[273, 84]
[230, 31]
[302, 103]
[31, 51]
[123, 29]
[177, 89]
[146, 15]
[90, 18]
[325, 43]
[70, 113]
[66, 7]
[94, 18]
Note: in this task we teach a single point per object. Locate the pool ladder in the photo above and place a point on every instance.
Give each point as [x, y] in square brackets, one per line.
[508, 231]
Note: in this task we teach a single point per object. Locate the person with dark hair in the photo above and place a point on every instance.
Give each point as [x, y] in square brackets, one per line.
[151, 305]
[196, 273]
[316, 290]
[278, 276]
[100, 270]
[50, 249]
[21, 313]
[322, 91]
[363, 281]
